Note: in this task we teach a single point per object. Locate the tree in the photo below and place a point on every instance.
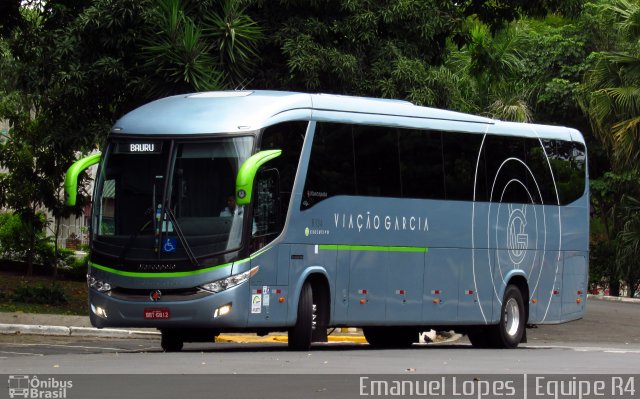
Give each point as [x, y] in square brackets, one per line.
[612, 88]
[72, 67]
[628, 254]
[608, 221]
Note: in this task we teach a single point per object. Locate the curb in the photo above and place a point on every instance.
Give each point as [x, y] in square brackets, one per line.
[613, 298]
[62, 331]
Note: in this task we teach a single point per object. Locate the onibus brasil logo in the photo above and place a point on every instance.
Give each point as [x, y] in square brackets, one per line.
[23, 386]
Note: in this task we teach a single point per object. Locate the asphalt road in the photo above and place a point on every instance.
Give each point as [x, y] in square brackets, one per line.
[607, 340]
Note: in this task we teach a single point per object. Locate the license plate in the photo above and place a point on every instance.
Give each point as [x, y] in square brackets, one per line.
[157, 314]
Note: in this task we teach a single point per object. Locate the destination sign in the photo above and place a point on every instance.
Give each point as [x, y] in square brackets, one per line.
[137, 147]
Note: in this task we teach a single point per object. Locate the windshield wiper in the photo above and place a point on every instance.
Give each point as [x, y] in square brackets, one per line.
[182, 237]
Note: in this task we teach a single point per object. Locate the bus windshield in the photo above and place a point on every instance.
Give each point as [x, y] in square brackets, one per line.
[194, 181]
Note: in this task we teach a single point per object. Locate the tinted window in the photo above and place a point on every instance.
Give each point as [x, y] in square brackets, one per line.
[376, 161]
[421, 164]
[331, 167]
[288, 137]
[460, 158]
[542, 189]
[506, 170]
[567, 161]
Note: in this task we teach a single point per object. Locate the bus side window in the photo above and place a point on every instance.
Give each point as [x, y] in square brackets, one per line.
[331, 166]
[266, 223]
[288, 137]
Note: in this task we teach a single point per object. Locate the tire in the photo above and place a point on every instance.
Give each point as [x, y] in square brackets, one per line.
[480, 339]
[390, 337]
[301, 333]
[508, 333]
[171, 341]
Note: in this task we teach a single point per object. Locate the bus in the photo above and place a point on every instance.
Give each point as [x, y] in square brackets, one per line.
[265, 211]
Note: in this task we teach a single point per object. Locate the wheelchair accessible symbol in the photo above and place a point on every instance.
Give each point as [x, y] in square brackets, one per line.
[169, 245]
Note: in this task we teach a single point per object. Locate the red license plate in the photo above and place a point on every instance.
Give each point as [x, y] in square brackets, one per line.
[157, 314]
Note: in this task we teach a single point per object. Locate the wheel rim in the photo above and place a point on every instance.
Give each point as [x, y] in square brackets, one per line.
[512, 317]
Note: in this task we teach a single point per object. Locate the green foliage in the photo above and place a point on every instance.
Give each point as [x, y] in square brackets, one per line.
[611, 95]
[628, 250]
[15, 236]
[178, 52]
[236, 37]
[40, 293]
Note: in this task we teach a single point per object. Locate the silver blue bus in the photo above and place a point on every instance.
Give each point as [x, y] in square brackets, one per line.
[267, 211]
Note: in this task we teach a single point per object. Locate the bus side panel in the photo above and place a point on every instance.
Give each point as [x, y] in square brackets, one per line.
[441, 278]
[574, 282]
[284, 255]
[341, 298]
[404, 287]
[546, 302]
[475, 292]
[265, 309]
[367, 287]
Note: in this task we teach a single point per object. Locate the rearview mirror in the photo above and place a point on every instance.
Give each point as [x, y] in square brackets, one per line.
[71, 179]
[247, 173]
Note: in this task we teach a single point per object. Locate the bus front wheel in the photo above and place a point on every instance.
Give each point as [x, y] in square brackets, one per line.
[509, 331]
[300, 335]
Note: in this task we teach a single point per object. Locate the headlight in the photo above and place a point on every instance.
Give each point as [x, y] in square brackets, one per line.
[99, 285]
[231, 281]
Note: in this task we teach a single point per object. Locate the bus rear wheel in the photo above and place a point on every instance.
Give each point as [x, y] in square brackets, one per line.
[390, 337]
[171, 341]
[300, 335]
[508, 333]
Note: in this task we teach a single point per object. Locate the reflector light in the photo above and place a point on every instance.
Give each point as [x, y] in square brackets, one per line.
[281, 300]
[363, 301]
[556, 292]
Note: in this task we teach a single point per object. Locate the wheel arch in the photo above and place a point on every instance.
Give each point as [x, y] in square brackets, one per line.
[520, 280]
[318, 277]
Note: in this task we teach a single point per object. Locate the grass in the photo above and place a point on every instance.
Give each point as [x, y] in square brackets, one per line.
[75, 291]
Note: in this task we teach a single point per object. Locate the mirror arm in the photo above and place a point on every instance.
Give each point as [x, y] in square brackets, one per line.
[247, 173]
[71, 178]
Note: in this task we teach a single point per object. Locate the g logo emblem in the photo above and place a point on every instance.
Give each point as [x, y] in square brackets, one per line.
[517, 237]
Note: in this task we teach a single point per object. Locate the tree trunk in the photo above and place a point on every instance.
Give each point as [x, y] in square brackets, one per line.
[614, 287]
[32, 244]
[56, 233]
[631, 287]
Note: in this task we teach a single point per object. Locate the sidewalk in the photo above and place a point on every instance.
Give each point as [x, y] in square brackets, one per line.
[613, 298]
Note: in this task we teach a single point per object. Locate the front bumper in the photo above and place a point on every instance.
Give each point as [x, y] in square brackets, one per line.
[195, 313]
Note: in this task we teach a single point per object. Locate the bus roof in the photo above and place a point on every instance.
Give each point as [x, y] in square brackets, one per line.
[238, 111]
